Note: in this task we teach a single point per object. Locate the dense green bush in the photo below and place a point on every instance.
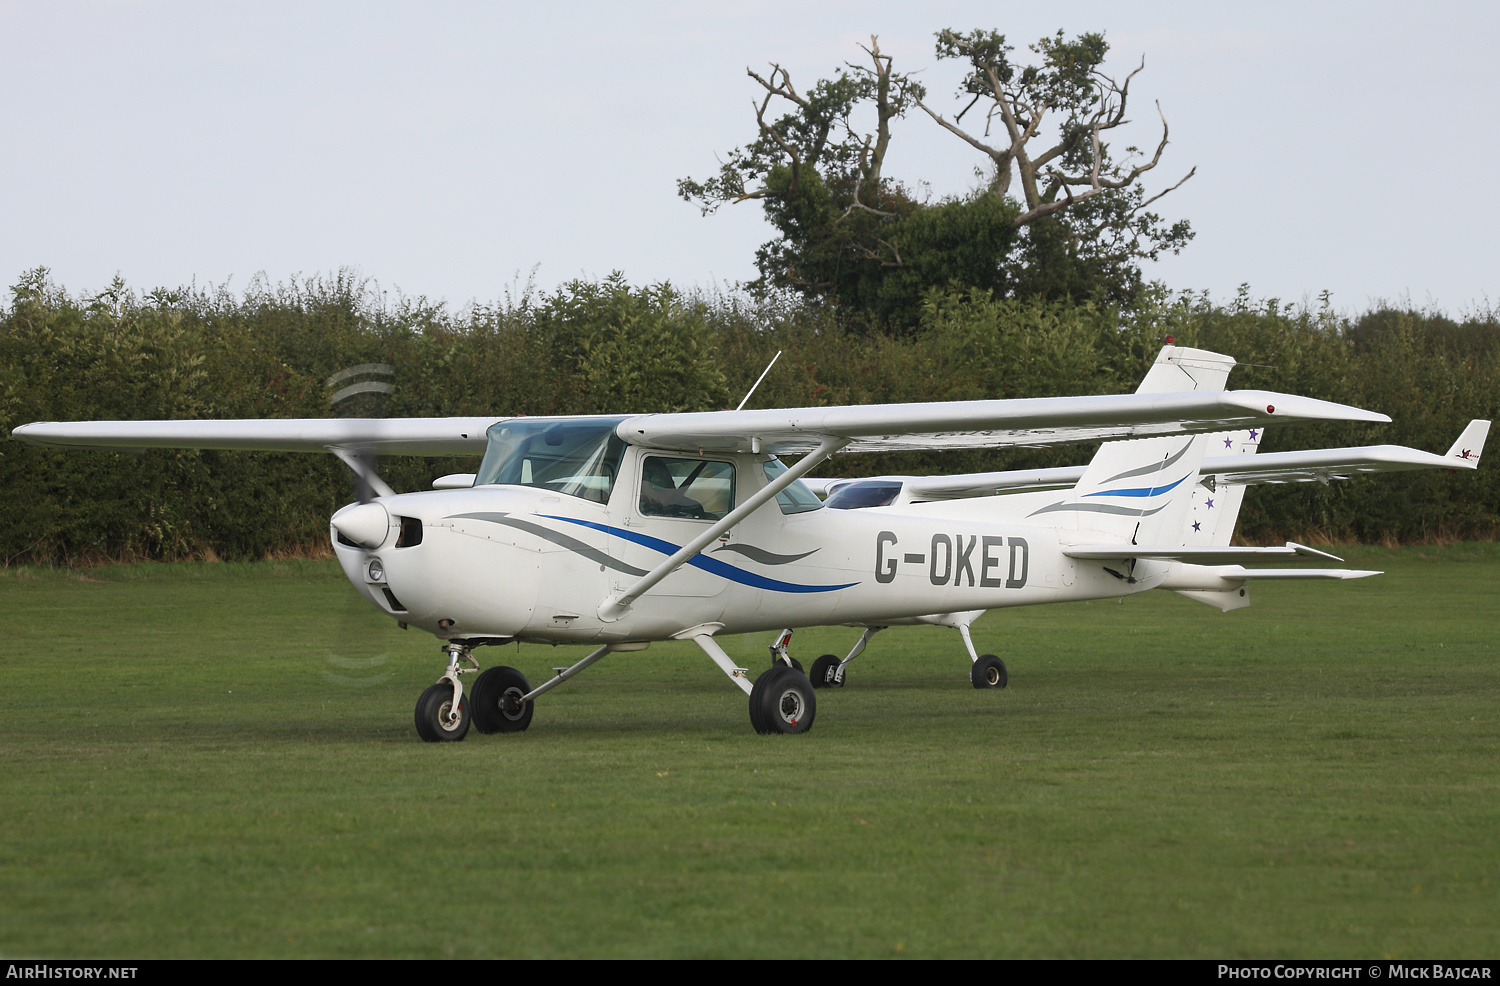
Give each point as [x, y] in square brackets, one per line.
[605, 346]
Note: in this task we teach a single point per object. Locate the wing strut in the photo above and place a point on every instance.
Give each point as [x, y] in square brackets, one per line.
[614, 607]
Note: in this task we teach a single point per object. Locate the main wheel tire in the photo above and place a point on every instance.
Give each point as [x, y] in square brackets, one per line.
[796, 665]
[988, 672]
[787, 703]
[757, 719]
[824, 671]
[495, 701]
[433, 708]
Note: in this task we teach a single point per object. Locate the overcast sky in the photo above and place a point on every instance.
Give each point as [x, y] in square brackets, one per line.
[447, 149]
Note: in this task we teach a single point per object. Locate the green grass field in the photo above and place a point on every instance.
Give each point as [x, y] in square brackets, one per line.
[219, 760]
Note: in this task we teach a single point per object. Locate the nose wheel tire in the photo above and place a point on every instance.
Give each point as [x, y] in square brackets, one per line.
[434, 710]
[825, 672]
[782, 701]
[988, 672]
[495, 701]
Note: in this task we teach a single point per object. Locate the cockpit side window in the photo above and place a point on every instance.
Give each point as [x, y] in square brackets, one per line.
[578, 457]
[796, 498]
[702, 489]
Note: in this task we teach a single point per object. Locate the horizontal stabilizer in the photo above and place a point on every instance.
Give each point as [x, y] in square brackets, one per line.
[1235, 572]
[1227, 578]
[1204, 555]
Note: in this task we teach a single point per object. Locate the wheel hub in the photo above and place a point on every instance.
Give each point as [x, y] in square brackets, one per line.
[510, 704]
[790, 706]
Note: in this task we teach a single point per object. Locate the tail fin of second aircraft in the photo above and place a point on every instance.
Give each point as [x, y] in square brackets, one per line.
[1141, 490]
[1470, 444]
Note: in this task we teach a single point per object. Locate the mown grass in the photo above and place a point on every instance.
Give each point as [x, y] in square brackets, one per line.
[219, 760]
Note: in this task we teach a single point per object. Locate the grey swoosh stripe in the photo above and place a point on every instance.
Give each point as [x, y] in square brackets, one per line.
[1099, 508]
[561, 540]
[1154, 467]
[763, 556]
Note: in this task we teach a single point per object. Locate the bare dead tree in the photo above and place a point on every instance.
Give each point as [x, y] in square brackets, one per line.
[1087, 102]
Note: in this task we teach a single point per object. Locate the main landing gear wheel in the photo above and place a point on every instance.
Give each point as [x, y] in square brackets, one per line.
[434, 715]
[988, 672]
[755, 704]
[782, 701]
[796, 665]
[496, 701]
[825, 672]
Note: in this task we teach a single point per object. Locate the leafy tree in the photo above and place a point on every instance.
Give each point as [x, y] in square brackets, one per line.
[1070, 220]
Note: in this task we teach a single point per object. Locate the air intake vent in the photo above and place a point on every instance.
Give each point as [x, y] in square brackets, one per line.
[411, 532]
[390, 598]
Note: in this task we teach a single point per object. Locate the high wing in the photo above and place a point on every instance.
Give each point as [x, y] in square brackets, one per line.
[1320, 465]
[979, 424]
[865, 428]
[395, 436]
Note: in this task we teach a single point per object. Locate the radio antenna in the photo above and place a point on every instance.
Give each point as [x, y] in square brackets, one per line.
[760, 378]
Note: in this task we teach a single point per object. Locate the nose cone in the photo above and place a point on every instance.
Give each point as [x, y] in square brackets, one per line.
[366, 524]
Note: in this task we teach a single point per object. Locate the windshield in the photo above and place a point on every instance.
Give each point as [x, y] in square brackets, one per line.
[579, 457]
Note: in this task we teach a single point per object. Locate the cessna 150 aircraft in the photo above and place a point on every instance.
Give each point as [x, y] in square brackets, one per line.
[623, 530]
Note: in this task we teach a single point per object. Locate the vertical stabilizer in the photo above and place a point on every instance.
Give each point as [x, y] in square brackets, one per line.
[1470, 444]
[1140, 490]
[1216, 504]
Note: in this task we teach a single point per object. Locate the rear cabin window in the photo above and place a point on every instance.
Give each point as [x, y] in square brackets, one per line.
[700, 489]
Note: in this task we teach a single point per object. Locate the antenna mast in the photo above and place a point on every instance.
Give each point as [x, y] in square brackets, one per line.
[759, 379]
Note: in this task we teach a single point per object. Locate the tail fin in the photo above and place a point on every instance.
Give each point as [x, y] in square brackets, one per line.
[1471, 443]
[1140, 490]
[1215, 508]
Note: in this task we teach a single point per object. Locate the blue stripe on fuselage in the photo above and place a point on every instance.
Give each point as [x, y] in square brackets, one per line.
[1143, 491]
[710, 565]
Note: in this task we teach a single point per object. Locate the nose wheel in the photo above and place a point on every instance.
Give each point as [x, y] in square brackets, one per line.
[438, 720]
[442, 710]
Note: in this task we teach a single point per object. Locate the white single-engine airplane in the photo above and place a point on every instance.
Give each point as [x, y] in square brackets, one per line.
[623, 530]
